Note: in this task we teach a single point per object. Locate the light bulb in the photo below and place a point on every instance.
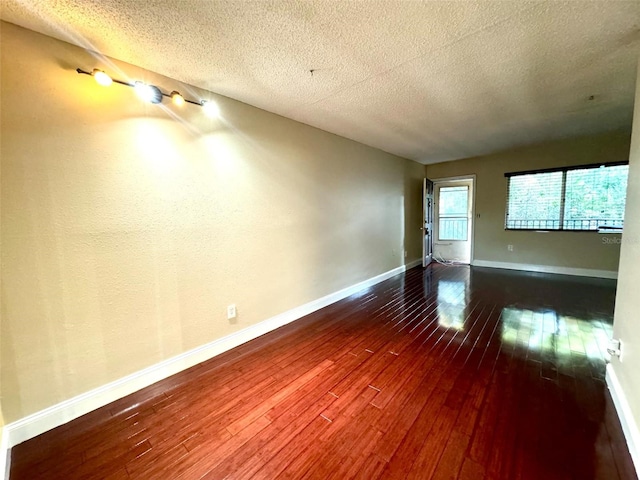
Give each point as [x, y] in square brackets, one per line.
[148, 93]
[101, 77]
[177, 99]
[210, 108]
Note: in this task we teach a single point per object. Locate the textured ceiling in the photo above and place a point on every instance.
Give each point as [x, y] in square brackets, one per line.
[430, 81]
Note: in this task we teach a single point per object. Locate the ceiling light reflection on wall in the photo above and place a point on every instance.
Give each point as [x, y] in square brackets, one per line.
[151, 93]
[211, 108]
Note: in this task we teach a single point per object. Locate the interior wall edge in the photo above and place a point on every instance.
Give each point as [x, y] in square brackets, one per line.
[629, 424]
[63, 412]
[580, 272]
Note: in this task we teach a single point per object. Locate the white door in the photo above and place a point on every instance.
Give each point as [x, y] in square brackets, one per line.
[453, 225]
[427, 225]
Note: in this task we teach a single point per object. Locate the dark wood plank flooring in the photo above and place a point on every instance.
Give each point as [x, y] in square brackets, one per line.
[441, 373]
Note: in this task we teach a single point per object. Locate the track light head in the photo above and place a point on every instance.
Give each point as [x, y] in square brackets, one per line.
[177, 99]
[210, 108]
[101, 77]
[148, 93]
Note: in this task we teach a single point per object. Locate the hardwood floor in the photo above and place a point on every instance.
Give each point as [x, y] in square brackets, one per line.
[443, 373]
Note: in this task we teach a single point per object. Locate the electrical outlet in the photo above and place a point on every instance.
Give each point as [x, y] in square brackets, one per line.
[406, 254]
[231, 311]
[510, 247]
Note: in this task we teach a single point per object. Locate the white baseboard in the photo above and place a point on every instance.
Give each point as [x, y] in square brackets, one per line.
[5, 460]
[61, 413]
[629, 424]
[413, 263]
[580, 272]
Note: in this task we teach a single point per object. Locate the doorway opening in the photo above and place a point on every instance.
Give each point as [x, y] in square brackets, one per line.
[453, 219]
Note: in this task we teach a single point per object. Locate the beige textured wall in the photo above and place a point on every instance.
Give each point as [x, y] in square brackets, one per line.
[565, 249]
[126, 232]
[626, 322]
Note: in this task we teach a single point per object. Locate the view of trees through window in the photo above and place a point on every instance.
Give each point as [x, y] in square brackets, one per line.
[574, 199]
[453, 223]
[596, 196]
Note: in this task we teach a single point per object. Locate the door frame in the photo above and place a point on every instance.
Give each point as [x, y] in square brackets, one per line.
[474, 217]
[427, 221]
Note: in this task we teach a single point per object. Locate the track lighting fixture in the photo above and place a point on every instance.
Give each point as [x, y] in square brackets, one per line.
[151, 93]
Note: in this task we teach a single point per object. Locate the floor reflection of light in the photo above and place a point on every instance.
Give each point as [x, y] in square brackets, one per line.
[451, 303]
[548, 332]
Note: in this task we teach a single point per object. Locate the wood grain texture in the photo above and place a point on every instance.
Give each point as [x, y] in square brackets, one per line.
[438, 373]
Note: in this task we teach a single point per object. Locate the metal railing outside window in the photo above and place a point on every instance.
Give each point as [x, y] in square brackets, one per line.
[584, 198]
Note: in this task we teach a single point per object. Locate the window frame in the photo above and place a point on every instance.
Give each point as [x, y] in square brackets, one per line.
[564, 171]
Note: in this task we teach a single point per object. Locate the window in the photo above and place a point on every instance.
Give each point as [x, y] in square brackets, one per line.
[453, 218]
[588, 197]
